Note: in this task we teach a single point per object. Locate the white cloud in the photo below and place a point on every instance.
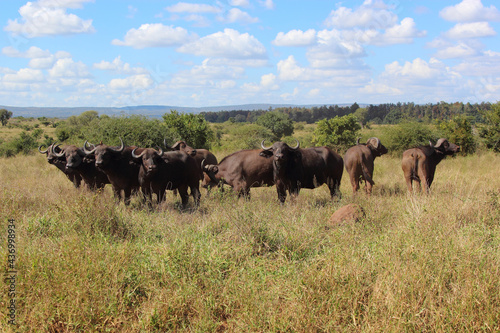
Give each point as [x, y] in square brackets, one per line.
[295, 38]
[417, 70]
[134, 82]
[290, 70]
[32, 52]
[24, 75]
[461, 50]
[237, 15]
[67, 68]
[470, 11]
[484, 65]
[239, 3]
[370, 15]
[403, 33]
[155, 35]
[120, 67]
[227, 44]
[269, 4]
[470, 30]
[184, 7]
[48, 18]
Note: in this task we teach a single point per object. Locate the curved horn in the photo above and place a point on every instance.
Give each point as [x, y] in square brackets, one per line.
[264, 147]
[86, 151]
[357, 141]
[430, 144]
[297, 146]
[43, 152]
[119, 150]
[61, 154]
[165, 143]
[160, 151]
[377, 142]
[202, 164]
[175, 145]
[137, 156]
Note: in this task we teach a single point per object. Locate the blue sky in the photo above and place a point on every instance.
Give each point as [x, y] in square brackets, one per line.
[230, 52]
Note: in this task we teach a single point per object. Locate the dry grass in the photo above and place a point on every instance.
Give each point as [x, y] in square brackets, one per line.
[417, 263]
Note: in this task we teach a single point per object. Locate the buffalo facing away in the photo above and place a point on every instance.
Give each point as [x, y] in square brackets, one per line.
[295, 168]
[359, 160]
[242, 170]
[199, 155]
[60, 163]
[419, 164]
[160, 171]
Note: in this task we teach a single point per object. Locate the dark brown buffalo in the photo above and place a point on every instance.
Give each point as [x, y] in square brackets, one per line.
[160, 171]
[420, 163]
[295, 168]
[76, 161]
[359, 160]
[199, 155]
[118, 165]
[242, 170]
[60, 163]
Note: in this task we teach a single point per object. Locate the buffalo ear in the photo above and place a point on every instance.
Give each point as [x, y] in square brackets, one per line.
[266, 153]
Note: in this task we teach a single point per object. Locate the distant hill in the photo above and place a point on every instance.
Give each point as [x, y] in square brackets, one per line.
[146, 110]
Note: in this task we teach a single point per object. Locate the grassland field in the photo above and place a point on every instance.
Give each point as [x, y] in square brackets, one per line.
[416, 263]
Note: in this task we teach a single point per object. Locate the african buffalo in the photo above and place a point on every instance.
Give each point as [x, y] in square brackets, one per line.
[199, 155]
[359, 160]
[160, 171]
[420, 163]
[242, 170]
[117, 164]
[77, 161]
[295, 168]
[60, 163]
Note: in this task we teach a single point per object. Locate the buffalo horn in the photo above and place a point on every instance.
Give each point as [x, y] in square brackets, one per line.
[120, 149]
[377, 142]
[43, 152]
[176, 144]
[137, 156]
[85, 150]
[357, 141]
[430, 144]
[264, 147]
[54, 146]
[296, 146]
[160, 151]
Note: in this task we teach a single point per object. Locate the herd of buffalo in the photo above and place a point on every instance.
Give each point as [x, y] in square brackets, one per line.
[180, 167]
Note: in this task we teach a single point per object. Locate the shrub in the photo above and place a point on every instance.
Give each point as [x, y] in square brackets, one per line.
[278, 123]
[246, 136]
[189, 127]
[489, 132]
[407, 135]
[339, 132]
[459, 131]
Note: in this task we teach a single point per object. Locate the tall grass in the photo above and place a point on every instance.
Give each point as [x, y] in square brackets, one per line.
[416, 263]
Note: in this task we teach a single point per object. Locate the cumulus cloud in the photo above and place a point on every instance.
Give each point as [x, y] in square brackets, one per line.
[370, 15]
[49, 18]
[236, 15]
[403, 33]
[295, 38]
[226, 44]
[120, 67]
[416, 70]
[134, 82]
[32, 52]
[470, 11]
[269, 4]
[461, 50]
[470, 30]
[67, 68]
[184, 7]
[24, 75]
[155, 35]
[239, 3]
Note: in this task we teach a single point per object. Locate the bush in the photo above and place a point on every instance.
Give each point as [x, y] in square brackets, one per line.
[459, 131]
[339, 132]
[246, 136]
[24, 143]
[278, 123]
[191, 128]
[407, 135]
[489, 132]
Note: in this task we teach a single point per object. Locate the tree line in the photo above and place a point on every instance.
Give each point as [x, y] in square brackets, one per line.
[386, 113]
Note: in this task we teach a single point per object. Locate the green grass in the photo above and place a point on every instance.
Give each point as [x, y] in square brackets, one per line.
[416, 263]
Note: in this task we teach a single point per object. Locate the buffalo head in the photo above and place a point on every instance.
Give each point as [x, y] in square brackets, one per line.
[183, 146]
[443, 146]
[150, 158]
[74, 156]
[103, 153]
[282, 152]
[376, 146]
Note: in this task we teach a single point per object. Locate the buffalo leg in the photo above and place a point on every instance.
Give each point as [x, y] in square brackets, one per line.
[183, 192]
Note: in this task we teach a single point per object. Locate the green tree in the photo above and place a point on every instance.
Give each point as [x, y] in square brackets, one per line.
[338, 132]
[489, 132]
[278, 123]
[362, 115]
[5, 116]
[407, 135]
[193, 128]
[459, 131]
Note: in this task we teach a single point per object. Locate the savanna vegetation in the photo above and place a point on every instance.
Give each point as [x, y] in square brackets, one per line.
[415, 263]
